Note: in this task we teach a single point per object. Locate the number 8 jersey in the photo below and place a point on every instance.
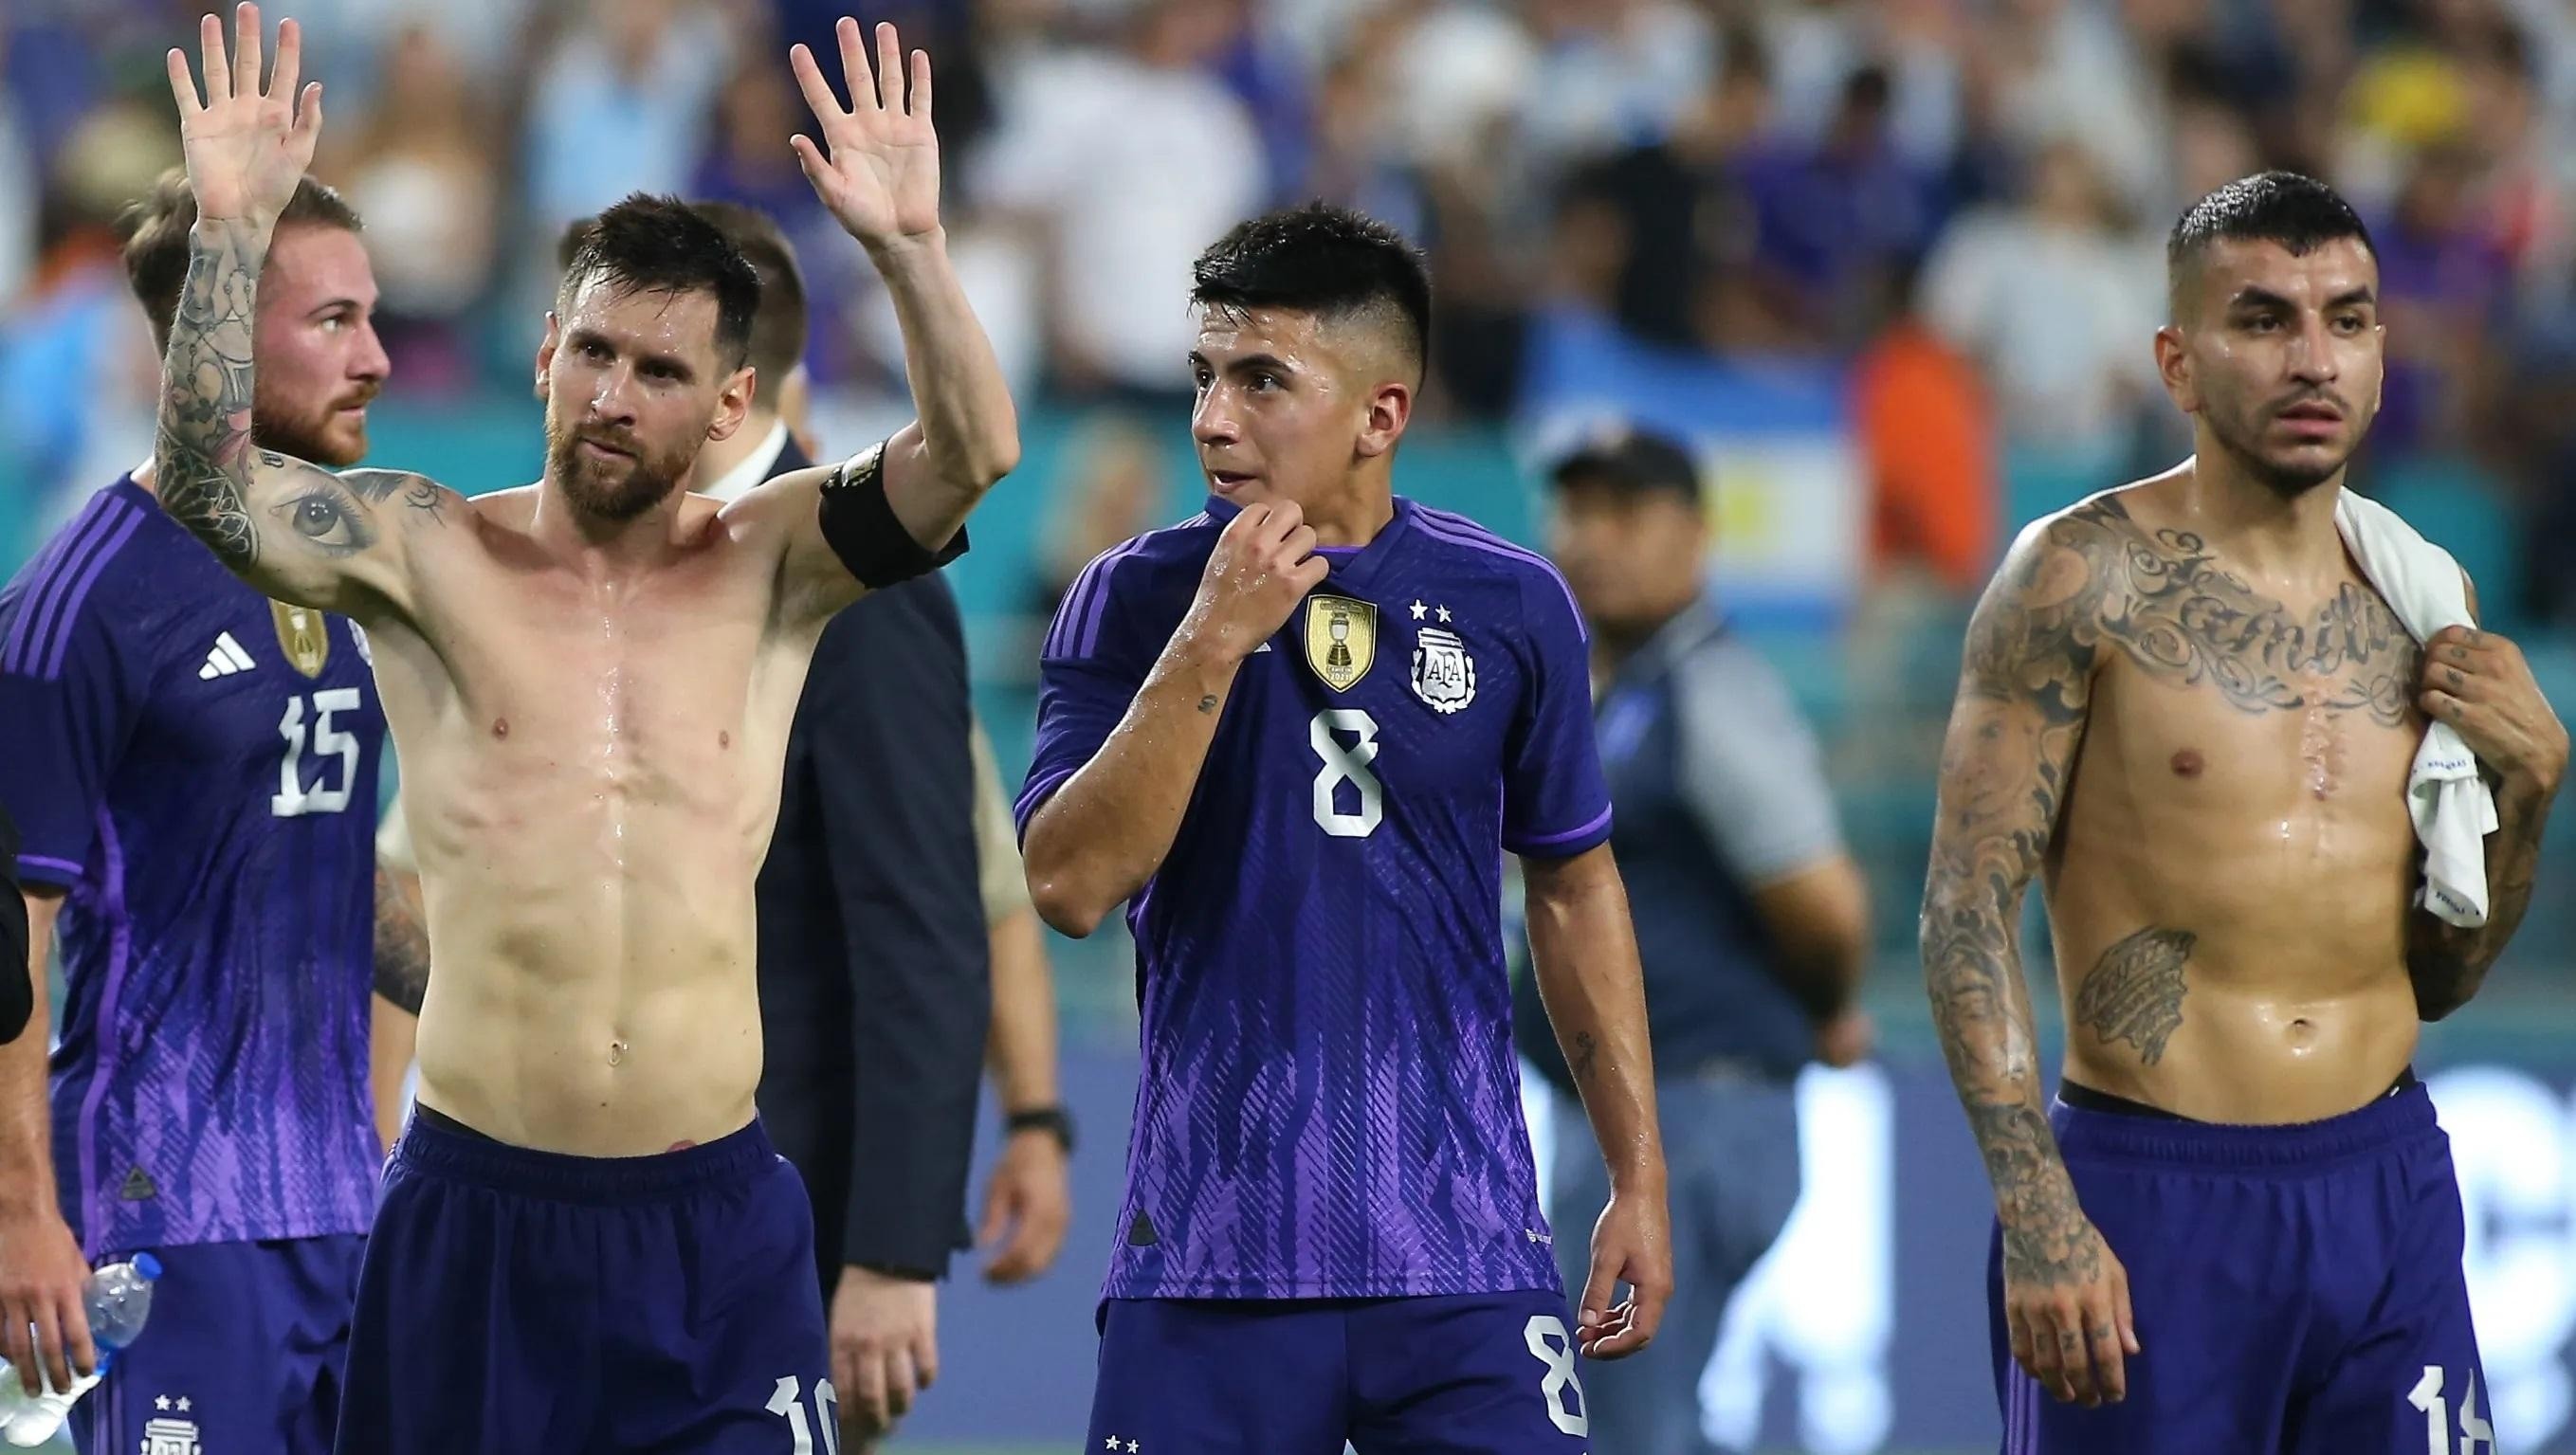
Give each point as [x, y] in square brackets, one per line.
[1329, 1104]
[195, 766]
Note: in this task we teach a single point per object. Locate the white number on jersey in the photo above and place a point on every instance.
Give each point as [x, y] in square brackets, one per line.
[1545, 1335]
[827, 1413]
[1346, 765]
[293, 799]
[2477, 1437]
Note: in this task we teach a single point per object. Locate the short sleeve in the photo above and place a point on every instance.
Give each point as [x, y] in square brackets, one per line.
[1088, 675]
[1555, 804]
[1751, 769]
[69, 693]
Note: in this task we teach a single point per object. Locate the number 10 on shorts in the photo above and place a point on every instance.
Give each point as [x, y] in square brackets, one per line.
[783, 1402]
[2477, 1437]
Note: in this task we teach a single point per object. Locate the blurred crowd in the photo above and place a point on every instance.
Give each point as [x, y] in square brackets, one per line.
[1958, 204]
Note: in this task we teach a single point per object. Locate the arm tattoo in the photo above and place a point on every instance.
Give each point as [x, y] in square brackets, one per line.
[2134, 992]
[426, 498]
[203, 456]
[1208, 703]
[2447, 963]
[402, 947]
[1587, 1055]
[2024, 691]
[211, 478]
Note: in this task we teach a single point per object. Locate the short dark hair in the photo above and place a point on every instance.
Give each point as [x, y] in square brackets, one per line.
[1329, 261]
[778, 324]
[156, 226]
[2298, 212]
[650, 244]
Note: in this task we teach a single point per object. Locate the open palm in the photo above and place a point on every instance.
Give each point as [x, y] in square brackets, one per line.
[246, 147]
[881, 176]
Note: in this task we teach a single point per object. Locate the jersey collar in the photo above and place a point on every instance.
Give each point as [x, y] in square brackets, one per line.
[1353, 567]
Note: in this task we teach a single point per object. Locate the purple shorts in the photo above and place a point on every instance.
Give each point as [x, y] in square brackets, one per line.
[243, 1351]
[518, 1302]
[2297, 1289]
[1471, 1374]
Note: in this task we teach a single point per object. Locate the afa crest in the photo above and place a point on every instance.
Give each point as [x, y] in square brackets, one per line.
[1444, 676]
[305, 636]
[1341, 639]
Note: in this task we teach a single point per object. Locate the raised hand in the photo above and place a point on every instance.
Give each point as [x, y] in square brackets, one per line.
[246, 147]
[881, 175]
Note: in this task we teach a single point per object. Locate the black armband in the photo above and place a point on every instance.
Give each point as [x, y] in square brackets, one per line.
[859, 525]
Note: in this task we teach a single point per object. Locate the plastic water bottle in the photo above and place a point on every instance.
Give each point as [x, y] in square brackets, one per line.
[119, 1299]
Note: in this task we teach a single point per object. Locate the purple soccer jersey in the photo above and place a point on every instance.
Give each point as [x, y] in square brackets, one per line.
[196, 766]
[1329, 1104]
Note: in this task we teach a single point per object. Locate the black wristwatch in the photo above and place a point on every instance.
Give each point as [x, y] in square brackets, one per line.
[1053, 1119]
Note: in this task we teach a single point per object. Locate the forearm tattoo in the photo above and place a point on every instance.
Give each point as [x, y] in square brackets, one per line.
[2094, 581]
[203, 457]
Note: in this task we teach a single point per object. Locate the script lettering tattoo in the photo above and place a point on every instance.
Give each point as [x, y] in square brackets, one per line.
[2134, 992]
[203, 455]
[2185, 620]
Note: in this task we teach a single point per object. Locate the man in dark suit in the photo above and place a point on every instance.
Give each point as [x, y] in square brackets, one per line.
[874, 988]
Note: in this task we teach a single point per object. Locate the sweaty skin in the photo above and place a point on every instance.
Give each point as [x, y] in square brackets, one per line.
[590, 680]
[2231, 937]
[592, 774]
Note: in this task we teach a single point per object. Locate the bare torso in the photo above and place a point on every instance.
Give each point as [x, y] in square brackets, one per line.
[2230, 882]
[590, 767]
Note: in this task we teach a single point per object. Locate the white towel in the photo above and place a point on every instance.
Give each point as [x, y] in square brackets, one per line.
[2451, 805]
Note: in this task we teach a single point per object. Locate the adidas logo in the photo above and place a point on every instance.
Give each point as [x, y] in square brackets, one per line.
[139, 1187]
[224, 659]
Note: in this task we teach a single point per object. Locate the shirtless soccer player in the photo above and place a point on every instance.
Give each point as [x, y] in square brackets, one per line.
[1295, 735]
[585, 1243]
[2237, 1228]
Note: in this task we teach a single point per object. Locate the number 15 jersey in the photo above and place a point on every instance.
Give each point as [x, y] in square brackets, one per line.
[195, 766]
[1329, 1104]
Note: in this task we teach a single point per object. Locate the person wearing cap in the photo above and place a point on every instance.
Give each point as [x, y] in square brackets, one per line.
[1751, 916]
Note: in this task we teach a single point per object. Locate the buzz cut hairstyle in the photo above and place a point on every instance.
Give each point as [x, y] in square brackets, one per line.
[155, 230]
[649, 244]
[2298, 212]
[1337, 264]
